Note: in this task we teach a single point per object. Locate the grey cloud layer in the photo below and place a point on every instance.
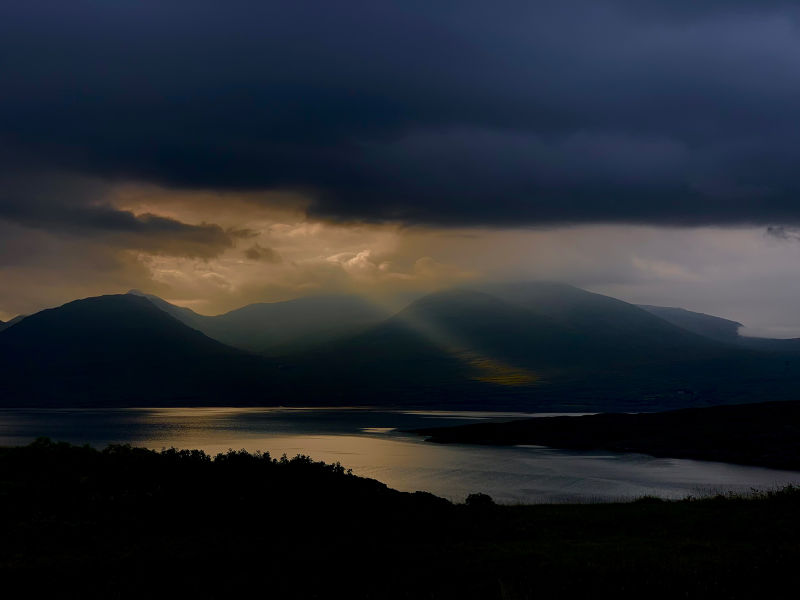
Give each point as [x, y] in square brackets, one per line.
[76, 207]
[447, 112]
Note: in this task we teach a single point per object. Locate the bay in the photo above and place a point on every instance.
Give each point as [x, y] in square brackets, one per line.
[372, 443]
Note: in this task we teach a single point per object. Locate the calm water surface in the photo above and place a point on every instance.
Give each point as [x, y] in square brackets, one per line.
[370, 443]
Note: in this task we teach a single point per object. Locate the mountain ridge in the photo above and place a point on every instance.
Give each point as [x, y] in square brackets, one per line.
[11, 322]
[119, 348]
[537, 346]
[285, 327]
[720, 329]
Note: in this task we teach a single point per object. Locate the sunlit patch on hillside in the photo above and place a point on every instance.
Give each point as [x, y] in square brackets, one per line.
[484, 368]
[489, 370]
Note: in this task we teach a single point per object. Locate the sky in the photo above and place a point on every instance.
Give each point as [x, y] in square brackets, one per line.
[220, 153]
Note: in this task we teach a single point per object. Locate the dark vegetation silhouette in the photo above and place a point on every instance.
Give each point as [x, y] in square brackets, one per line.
[480, 501]
[128, 522]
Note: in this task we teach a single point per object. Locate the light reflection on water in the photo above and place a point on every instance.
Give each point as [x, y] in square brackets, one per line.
[370, 442]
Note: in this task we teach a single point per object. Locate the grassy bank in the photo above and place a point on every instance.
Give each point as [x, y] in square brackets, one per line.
[127, 522]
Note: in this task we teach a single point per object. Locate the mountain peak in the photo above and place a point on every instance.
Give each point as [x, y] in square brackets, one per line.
[118, 349]
[11, 322]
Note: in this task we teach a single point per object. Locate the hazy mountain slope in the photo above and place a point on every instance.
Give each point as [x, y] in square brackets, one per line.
[404, 351]
[294, 325]
[722, 330]
[121, 350]
[536, 323]
[473, 321]
[675, 366]
[480, 332]
[613, 330]
[545, 346]
[282, 327]
[184, 315]
[541, 325]
[709, 326]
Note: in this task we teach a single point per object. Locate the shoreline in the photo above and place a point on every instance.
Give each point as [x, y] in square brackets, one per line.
[760, 434]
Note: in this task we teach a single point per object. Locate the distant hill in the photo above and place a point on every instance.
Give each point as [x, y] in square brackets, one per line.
[619, 330]
[278, 328]
[709, 326]
[544, 346]
[778, 346]
[14, 321]
[122, 350]
[440, 339]
[543, 327]
[722, 330]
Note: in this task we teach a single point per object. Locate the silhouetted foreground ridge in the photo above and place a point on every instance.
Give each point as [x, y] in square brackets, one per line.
[129, 522]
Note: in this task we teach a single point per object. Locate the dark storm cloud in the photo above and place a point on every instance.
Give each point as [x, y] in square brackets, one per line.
[75, 207]
[789, 234]
[503, 112]
[89, 219]
[145, 231]
[256, 252]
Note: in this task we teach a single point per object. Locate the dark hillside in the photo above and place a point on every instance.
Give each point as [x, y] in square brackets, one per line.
[606, 324]
[537, 347]
[112, 350]
[133, 523]
[11, 322]
[544, 346]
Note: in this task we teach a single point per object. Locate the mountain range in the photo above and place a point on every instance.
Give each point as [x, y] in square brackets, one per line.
[533, 346]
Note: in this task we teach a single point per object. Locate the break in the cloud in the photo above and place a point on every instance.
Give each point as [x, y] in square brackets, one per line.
[453, 113]
[210, 250]
[746, 274]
